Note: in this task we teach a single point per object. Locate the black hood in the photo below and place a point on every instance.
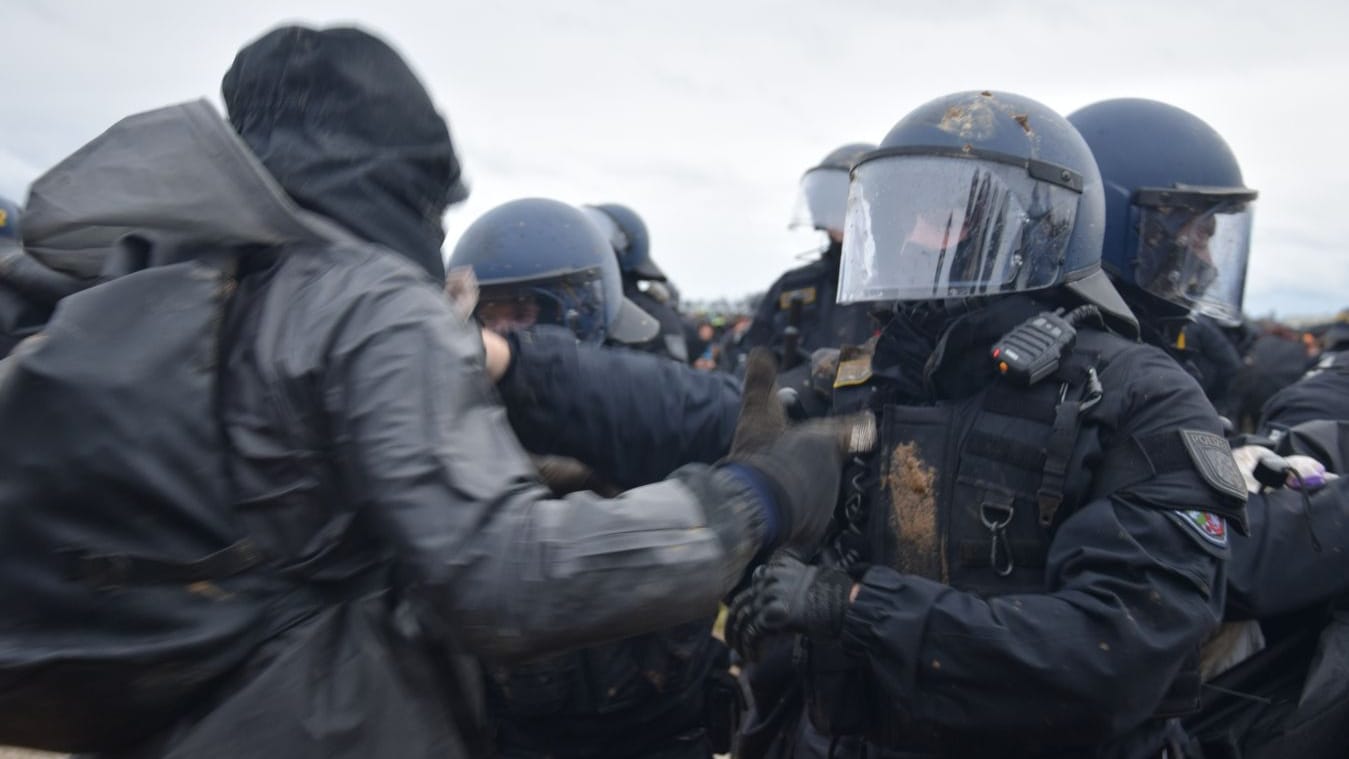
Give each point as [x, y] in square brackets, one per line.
[345, 127]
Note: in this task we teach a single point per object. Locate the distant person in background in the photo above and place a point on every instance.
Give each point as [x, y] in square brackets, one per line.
[708, 353]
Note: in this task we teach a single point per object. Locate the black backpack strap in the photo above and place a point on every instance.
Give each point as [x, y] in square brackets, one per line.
[1080, 389]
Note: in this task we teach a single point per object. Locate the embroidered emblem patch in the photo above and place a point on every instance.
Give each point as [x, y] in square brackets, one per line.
[1212, 458]
[1210, 527]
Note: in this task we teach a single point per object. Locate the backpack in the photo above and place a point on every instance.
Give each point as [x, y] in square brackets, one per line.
[128, 588]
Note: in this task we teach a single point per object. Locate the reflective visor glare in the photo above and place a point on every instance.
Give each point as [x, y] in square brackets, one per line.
[1196, 258]
[823, 200]
[922, 227]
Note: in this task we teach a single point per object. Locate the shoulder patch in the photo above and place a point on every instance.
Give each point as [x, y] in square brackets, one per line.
[1211, 527]
[1212, 458]
[806, 294]
[853, 371]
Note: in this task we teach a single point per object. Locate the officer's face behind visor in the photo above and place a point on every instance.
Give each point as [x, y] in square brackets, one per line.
[574, 301]
[1192, 246]
[928, 227]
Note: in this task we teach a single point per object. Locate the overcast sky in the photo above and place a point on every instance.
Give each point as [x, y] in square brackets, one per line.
[703, 115]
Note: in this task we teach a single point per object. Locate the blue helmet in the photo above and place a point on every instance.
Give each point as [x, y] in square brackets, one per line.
[976, 194]
[9, 219]
[542, 261]
[823, 200]
[627, 234]
[1178, 216]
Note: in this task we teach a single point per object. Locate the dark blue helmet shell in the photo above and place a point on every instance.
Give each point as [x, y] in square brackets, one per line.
[1018, 149]
[1017, 127]
[633, 242]
[1142, 146]
[536, 243]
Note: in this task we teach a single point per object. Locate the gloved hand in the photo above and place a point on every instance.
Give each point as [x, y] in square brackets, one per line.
[801, 466]
[1295, 471]
[788, 596]
[761, 419]
[802, 471]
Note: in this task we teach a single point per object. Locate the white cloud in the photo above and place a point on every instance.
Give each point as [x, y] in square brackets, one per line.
[702, 115]
[15, 176]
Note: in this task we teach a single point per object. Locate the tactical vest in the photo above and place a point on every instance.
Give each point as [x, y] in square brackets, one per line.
[969, 492]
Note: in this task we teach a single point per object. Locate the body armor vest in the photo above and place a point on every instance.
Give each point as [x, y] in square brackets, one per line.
[969, 492]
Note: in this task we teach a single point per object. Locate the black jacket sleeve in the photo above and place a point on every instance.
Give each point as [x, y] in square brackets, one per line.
[1322, 393]
[423, 445]
[1130, 591]
[1277, 569]
[633, 416]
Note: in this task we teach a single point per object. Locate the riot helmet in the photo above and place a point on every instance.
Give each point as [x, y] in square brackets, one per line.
[9, 219]
[1178, 217]
[627, 234]
[539, 261]
[822, 201]
[973, 195]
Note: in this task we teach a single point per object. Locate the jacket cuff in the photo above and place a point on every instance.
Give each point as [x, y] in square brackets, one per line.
[885, 625]
[765, 496]
[731, 507]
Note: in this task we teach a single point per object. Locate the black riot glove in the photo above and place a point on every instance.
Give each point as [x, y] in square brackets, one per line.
[788, 596]
[799, 467]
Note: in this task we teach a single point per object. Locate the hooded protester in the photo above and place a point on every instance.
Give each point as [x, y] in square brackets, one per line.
[394, 526]
[384, 168]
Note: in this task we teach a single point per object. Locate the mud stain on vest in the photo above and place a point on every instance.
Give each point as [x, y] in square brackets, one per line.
[913, 514]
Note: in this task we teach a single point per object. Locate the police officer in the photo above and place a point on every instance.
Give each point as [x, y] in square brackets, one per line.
[1287, 584]
[803, 298]
[631, 242]
[29, 290]
[1029, 562]
[540, 263]
[1177, 229]
[1177, 238]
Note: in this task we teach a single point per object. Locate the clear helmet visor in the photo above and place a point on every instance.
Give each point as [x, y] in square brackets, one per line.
[822, 201]
[574, 301]
[931, 227]
[1193, 251]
